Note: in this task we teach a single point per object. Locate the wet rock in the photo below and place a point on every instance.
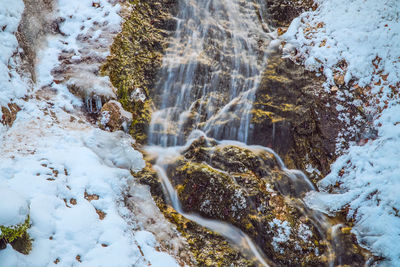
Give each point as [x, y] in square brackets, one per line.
[247, 188]
[296, 117]
[208, 248]
[113, 117]
[282, 12]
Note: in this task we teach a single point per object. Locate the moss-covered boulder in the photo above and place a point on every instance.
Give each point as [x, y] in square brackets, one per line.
[247, 187]
[207, 247]
[136, 56]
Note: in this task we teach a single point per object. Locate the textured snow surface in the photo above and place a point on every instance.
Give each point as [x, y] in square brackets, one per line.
[359, 31]
[355, 30]
[11, 84]
[70, 176]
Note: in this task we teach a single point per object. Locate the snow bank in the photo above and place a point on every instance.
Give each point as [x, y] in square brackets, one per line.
[369, 178]
[87, 29]
[355, 30]
[71, 176]
[116, 151]
[366, 179]
[69, 188]
[13, 207]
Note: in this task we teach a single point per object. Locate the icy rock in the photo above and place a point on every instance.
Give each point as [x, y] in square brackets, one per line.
[13, 207]
[113, 117]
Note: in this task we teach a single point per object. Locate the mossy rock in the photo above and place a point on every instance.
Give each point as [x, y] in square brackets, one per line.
[17, 236]
[294, 116]
[207, 247]
[247, 188]
[136, 56]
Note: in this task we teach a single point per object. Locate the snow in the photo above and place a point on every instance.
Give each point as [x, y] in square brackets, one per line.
[11, 83]
[57, 166]
[147, 243]
[88, 32]
[366, 178]
[355, 30]
[369, 187]
[13, 208]
[281, 230]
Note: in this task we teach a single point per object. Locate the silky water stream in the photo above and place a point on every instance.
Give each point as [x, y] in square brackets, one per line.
[206, 88]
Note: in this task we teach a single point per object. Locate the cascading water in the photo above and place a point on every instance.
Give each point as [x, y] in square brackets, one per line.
[207, 85]
[211, 71]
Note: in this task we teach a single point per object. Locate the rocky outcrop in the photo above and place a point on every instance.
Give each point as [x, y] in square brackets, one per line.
[113, 117]
[247, 188]
[208, 248]
[136, 57]
[297, 118]
[281, 13]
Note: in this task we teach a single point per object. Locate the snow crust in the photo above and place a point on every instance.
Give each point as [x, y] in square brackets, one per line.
[366, 179]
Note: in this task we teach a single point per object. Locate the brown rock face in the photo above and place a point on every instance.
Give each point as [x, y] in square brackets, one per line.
[9, 114]
[282, 12]
[294, 116]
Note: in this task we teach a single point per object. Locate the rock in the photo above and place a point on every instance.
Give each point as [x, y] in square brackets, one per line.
[339, 79]
[246, 188]
[14, 221]
[294, 116]
[208, 248]
[281, 13]
[334, 89]
[136, 57]
[113, 117]
[9, 114]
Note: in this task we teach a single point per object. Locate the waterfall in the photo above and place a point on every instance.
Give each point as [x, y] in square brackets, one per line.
[211, 71]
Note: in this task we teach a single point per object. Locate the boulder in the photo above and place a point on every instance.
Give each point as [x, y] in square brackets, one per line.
[113, 117]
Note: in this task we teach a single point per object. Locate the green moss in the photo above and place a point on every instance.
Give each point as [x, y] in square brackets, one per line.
[9, 234]
[17, 236]
[135, 58]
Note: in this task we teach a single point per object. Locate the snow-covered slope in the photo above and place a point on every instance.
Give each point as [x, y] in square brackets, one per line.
[12, 84]
[366, 35]
[70, 175]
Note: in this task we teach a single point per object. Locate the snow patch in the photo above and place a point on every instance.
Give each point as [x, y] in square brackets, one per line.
[13, 207]
[281, 231]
